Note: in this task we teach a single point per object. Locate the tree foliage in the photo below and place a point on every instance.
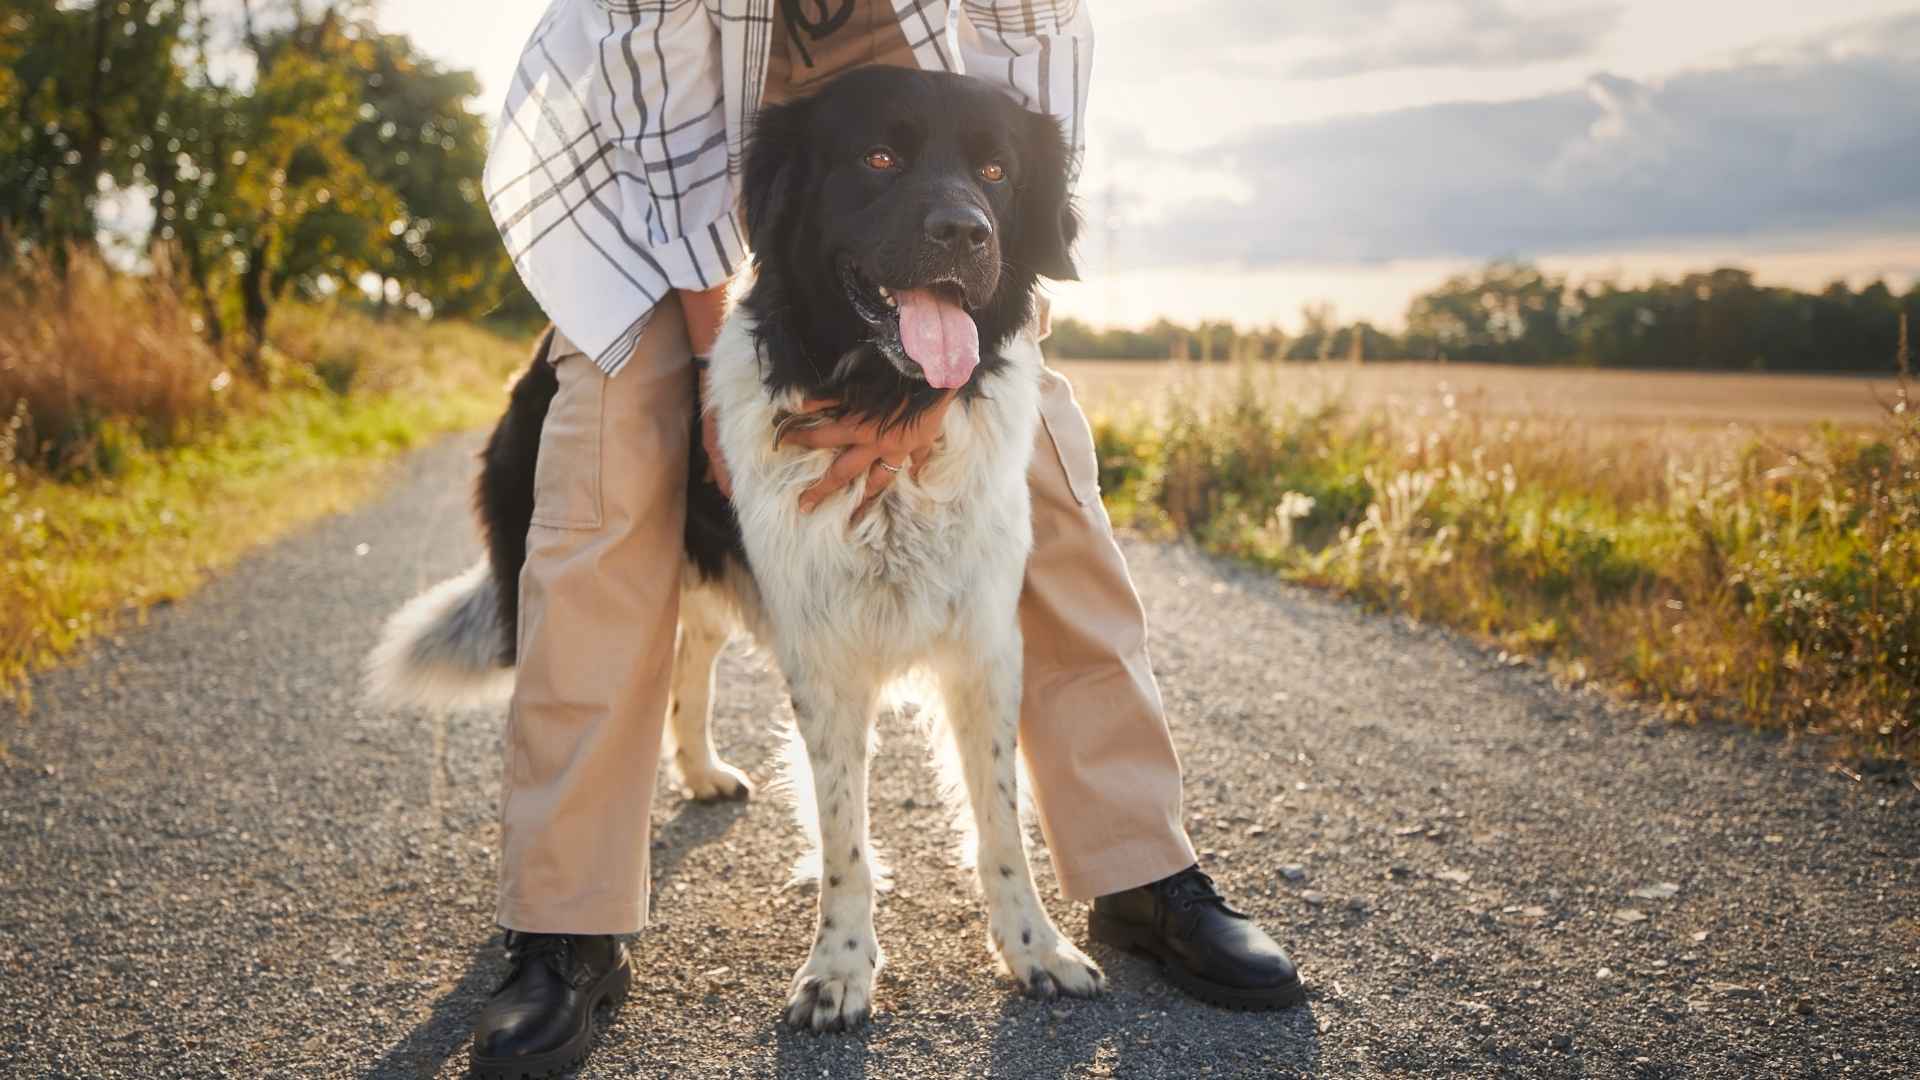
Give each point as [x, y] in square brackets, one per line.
[420, 139]
[1509, 312]
[277, 147]
[82, 88]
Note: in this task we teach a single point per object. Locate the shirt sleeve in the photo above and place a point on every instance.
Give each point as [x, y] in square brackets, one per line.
[607, 176]
[1042, 53]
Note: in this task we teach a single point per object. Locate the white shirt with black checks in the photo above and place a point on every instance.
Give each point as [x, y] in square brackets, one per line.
[613, 172]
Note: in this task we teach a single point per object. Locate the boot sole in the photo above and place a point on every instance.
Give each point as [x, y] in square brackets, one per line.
[610, 991]
[1146, 944]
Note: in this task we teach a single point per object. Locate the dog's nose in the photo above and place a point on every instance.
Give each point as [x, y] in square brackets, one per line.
[959, 228]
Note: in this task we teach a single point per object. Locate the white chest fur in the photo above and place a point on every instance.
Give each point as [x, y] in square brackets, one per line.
[941, 549]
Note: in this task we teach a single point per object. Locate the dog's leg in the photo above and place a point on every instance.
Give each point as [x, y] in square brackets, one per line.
[983, 708]
[833, 990]
[704, 629]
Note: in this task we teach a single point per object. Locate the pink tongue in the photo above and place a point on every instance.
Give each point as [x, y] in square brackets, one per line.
[939, 335]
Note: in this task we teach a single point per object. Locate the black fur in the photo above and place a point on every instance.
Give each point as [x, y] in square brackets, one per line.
[713, 530]
[504, 496]
[816, 209]
[813, 204]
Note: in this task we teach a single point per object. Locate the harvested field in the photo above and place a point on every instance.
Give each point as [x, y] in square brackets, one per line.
[1634, 397]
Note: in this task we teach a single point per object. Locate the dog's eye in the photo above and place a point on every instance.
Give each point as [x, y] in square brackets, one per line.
[993, 172]
[881, 159]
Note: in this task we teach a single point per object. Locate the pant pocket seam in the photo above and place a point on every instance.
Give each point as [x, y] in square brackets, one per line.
[575, 518]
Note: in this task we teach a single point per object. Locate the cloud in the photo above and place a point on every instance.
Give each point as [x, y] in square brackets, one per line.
[1477, 36]
[1820, 136]
[1320, 39]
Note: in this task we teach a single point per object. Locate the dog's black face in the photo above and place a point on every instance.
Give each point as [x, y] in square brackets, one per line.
[899, 220]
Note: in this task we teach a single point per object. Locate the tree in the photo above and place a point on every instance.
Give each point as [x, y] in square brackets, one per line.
[1508, 311]
[1073, 338]
[1363, 341]
[261, 190]
[1317, 330]
[417, 138]
[82, 87]
[279, 146]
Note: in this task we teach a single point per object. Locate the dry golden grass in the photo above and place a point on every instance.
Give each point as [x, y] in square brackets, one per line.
[172, 479]
[1768, 576]
[92, 359]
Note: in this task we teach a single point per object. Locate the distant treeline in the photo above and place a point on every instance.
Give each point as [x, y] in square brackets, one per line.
[1513, 313]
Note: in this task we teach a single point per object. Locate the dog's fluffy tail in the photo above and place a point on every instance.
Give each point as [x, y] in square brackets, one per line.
[445, 648]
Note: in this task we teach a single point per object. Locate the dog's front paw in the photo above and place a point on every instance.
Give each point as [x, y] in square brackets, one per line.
[714, 782]
[1047, 964]
[833, 993]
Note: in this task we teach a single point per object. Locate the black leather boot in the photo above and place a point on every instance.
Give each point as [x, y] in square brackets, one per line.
[1205, 947]
[541, 1019]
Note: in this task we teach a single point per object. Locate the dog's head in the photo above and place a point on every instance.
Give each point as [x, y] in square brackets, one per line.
[910, 210]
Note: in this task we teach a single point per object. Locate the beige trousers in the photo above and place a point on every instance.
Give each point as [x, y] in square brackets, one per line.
[599, 599]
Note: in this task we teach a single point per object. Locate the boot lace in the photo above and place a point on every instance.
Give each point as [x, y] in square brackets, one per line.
[1192, 888]
[554, 950]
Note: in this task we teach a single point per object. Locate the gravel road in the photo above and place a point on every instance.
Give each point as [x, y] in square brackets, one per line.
[218, 863]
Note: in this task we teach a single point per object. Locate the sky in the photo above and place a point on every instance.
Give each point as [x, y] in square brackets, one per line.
[1255, 156]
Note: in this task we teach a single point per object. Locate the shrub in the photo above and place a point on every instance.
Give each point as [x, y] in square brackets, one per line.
[1717, 575]
[95, 364]
[92, 361]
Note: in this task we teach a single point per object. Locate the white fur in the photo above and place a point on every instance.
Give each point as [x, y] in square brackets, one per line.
[793, 784]
[442, 648]
[707, 621]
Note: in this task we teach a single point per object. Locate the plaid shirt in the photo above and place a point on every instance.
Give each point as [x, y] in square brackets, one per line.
[614, 168]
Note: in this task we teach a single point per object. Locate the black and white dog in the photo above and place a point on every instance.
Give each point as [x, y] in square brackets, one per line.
[900, 223]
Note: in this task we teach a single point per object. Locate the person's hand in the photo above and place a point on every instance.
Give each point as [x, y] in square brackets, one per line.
[866, 450]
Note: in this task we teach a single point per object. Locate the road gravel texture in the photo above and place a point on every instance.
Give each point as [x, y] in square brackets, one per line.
[218, 862]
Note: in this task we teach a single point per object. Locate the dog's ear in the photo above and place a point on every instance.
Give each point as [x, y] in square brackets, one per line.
[776, 169]
[1043, 212]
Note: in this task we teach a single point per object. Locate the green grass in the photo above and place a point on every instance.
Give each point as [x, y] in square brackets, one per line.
[85, 551]
[1769, 580]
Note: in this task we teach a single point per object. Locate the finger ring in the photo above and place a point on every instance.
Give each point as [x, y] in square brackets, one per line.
[882, 462]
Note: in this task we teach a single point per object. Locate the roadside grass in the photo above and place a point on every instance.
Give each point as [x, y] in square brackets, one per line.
[1765, 578]
[114, 498]
[1771, 578]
